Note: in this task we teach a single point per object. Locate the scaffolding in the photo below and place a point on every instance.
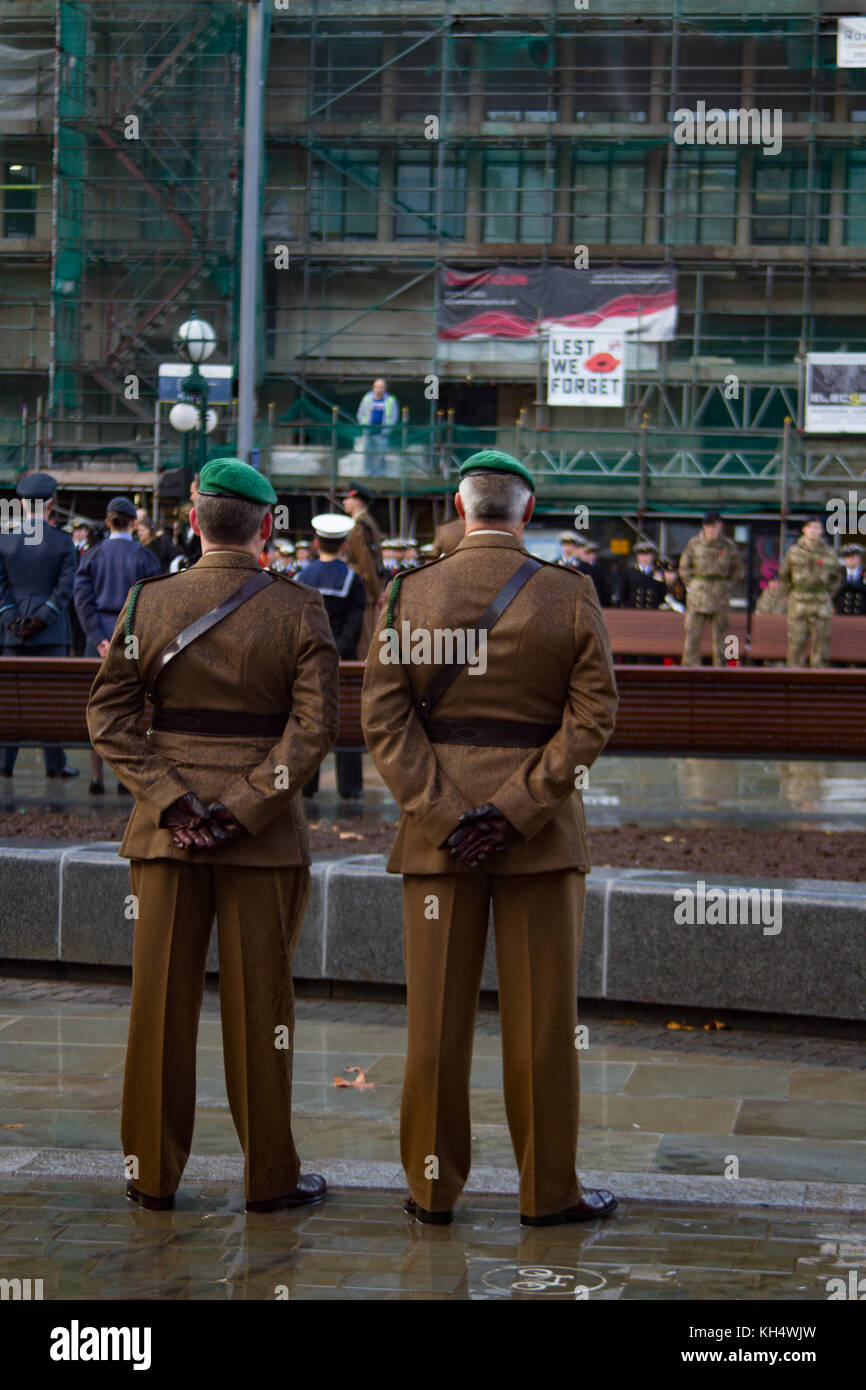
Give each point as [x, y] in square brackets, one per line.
[400, 139]
[147, 150]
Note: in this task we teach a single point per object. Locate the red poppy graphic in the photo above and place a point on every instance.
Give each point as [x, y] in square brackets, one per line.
[602, 362]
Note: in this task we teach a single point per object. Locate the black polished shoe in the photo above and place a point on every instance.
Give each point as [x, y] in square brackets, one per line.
[594, 1203]
[429, 1218]
[6, 772]
[96, 788]
[311, 1188]
[149, 1203]
[66, 773]
[122, 790]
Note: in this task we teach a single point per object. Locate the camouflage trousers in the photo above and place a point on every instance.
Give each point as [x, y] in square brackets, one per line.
[694, 631]
[812, 632]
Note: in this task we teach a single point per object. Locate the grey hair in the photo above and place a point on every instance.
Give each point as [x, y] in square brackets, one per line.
[230, 520]
[494, 497]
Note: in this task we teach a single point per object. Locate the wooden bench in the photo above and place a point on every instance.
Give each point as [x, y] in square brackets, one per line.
[770, 638]
[674, 710]
[661, 632]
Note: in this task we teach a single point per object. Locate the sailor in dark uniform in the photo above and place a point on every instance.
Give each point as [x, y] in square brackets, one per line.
[105, 576]
[850, 598]
[37, 572]
[642, 587]
[345, 603]
[591, 566]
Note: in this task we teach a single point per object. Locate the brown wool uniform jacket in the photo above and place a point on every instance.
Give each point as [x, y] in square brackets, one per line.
[548, 662]
[363, 549]
[448, 536]
[274, 653]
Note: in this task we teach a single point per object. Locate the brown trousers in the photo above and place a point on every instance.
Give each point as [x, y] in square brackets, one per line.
[539, 925]
[695, 623]
[259, 914]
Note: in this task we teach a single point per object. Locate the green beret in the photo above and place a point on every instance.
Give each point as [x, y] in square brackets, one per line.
[493, 461]
[231, 478]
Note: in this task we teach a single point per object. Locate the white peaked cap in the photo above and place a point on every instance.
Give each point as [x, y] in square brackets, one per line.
[332, 525]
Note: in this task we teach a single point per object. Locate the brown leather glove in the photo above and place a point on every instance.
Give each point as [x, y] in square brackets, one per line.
[188, 820]
[222, 824]
[479, 834]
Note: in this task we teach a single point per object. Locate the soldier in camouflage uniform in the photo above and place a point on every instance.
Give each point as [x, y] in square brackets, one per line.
[809, 576]
[710, 567]
[772, 600]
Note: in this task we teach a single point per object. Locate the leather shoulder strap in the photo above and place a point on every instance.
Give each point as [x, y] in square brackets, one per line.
[204, 624]
[446, 675]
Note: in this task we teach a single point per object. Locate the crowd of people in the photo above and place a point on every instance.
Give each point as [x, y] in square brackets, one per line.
[63, 595]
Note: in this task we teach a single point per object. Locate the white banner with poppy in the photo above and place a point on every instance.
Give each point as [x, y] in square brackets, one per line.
[585, 368]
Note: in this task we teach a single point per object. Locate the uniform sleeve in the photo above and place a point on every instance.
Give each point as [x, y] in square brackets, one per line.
[312, 727]
[398, 744]
[114, 719]
[835, 577]
[58, 600]
[85, 600]
[687, 565]
[545, 780]
[8, 606]
[785, 573]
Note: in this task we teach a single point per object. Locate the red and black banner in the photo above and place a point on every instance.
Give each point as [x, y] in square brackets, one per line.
[511, 301]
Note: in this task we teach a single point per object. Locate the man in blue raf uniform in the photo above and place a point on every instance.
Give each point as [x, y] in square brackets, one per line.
[37, 571]
[105, 576]
[345, 603]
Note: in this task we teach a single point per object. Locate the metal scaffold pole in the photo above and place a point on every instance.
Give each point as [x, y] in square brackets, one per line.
[250, 230]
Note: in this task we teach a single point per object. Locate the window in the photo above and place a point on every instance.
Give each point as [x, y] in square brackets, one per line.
[608, 198]
[780, 202]
[341, 64]
[417, 181]
[518, 196]
[19, 200]
[702, 202]
[343, 200]
[855, 203]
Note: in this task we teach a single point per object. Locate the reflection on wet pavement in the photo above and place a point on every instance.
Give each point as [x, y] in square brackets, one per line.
[84, 1240]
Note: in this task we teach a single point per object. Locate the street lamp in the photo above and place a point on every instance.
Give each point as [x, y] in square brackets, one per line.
[194, 341]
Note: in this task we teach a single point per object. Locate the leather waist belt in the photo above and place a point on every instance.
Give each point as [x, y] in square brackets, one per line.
[218, 723]
[490, 733]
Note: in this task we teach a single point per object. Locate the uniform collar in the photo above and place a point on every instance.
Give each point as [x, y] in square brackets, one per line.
[226, 559]
[491, 540]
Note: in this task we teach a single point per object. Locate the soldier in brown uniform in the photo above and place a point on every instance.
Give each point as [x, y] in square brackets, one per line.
[484, 766]
[364, 554]
[448, 536]
[710, 567]
[245, 708]
[809, 576]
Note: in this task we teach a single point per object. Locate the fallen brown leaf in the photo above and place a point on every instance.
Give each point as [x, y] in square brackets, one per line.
[13, 1126]
[714, 1025]
[360, 1083]
[681, 1027]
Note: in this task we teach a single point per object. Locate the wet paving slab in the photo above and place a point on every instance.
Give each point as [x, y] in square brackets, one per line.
[84, 1240]
[790, 793]
[786, 1108]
